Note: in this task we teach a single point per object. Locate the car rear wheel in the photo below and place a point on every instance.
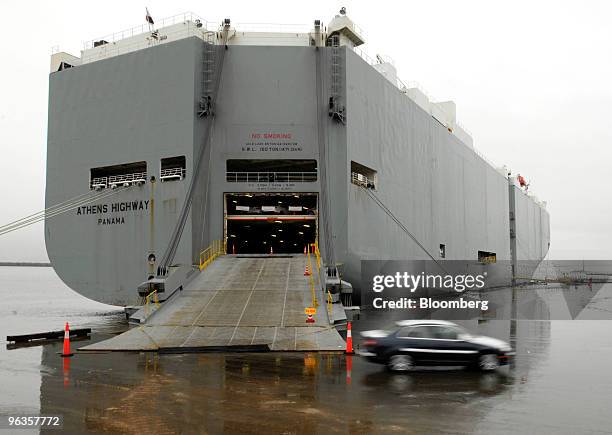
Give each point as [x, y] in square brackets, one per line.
[400, 363]
[488, 362]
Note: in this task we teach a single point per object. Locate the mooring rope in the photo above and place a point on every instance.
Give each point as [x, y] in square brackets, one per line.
[57, 209]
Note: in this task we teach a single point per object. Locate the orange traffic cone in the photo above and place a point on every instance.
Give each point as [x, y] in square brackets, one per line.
[310, 319]
[66, 352]
[349, 340]
[305, 251]
[307, 270]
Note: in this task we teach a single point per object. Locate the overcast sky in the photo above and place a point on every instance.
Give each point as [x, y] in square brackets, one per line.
[531, 79]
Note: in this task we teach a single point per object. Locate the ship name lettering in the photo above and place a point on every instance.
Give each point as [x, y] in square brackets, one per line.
[114, 208]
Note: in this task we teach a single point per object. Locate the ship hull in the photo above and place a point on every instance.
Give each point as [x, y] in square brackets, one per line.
[272, 105]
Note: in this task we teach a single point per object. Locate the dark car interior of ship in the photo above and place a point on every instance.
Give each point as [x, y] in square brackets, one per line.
[264, 223]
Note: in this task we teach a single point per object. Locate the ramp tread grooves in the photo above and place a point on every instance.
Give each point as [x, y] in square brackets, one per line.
[222, 284]
[248, 299]
[286, 291]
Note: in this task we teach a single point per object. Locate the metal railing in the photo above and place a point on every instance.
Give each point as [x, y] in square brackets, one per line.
[151, 297]
[162, 36]
[317, 253]
[172, 174]
[273, 27]
[113, 181]
[208, 255]
[271, 177]
[490, 259]
[362, 180]
[145, 28]
[313, 292]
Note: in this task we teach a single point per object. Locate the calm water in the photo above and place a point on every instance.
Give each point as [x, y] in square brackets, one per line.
[561, 381]
[34, 299]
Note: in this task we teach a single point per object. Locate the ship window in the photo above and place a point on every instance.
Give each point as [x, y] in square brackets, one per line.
[442, 250]
[173, 168]
[271, 171]
[487, 257]
[363, 176]
[125, 174]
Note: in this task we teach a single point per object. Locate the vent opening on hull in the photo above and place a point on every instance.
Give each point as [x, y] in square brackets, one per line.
[271, 171]
[173, 168]
[442, 250]
[114, 176]
[363, 176]
[487, 257]
[277, 223]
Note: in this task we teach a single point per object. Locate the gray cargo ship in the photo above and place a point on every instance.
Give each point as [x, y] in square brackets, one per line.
[164, 139]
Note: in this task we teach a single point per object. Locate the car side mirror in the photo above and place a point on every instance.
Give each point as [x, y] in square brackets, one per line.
[464, 337]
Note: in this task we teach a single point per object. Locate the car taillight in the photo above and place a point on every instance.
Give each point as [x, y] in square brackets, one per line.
[370, 343]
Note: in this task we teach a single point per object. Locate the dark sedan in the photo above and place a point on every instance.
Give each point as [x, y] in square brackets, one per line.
[433, 342]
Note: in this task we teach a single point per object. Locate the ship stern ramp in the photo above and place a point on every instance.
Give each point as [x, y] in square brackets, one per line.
[236, 303]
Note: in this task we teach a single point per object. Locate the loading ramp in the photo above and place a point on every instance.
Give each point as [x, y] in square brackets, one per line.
[237, 301]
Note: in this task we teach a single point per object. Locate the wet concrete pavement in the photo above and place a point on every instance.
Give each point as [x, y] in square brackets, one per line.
[560, 383]
[555, 386]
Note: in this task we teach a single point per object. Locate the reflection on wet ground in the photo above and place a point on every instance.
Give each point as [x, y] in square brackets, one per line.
[550, 389]
[559, 383]
[261, 393]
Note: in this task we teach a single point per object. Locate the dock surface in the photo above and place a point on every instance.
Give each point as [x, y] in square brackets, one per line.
[236, 302]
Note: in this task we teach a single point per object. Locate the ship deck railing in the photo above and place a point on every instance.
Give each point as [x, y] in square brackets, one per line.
[172, 174]
[146, 28]
[362, 180]
[114, 181]
[271, 177]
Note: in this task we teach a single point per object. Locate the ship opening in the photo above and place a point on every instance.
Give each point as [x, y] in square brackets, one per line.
[264, 223]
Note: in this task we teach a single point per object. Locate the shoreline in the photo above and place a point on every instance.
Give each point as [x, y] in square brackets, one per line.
[23, 264]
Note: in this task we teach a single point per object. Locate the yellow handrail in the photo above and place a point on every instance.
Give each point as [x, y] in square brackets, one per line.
[317, 253]
[209, 254]
[153, 295]
[315, 304]
[330, 301]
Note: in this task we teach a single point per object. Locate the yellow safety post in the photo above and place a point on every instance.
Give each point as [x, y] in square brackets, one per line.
[312, 283]
[153, 295]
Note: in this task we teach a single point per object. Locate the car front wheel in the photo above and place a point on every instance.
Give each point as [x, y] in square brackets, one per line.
[488, 362]
[400, 363]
